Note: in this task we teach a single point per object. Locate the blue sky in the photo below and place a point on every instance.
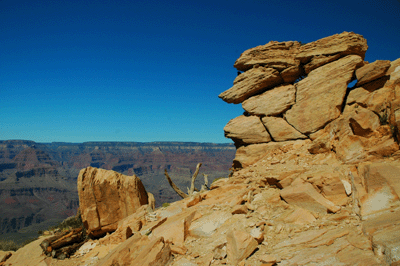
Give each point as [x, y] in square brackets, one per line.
[78, 71]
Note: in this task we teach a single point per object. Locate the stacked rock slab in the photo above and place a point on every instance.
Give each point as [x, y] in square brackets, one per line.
[291, 91]
[106, 197]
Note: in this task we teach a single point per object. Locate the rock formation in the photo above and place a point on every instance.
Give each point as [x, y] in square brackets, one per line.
[356, 123]
[106, 197]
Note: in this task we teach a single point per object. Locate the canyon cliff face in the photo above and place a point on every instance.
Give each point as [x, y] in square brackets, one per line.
[38, 180]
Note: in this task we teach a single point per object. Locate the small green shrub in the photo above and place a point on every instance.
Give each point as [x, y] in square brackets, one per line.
[69, 223]
[165, 204]
[9, 245]
[383, 118]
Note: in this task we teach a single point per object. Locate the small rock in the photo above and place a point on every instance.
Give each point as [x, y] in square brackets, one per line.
[239, 209]
[178, 249]
[219, 252]
[257, 234]
[268, 259]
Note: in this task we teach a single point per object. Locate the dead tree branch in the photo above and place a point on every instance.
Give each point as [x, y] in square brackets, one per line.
[177, 190]
[192, 188]
[194, 178]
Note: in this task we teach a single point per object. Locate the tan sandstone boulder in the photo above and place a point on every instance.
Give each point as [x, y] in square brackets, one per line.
[278, 55]
[372, 71]
[320, 96]
[246, 130]
[346, 43]
[272, 102]
[251, 82]
[106, 197]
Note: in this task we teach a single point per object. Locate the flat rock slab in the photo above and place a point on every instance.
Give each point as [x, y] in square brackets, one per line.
[251, 82]
[246, 130]
[272, 102]
[280, 130]
[373, 71]
[320, 96]
[346, 43]
[278, 55]
[304, 195]
[239, 246]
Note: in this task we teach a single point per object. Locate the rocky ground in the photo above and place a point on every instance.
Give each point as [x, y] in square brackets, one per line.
[250, 219]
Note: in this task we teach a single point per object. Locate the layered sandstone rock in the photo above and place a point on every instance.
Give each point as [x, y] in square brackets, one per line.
[277, 55]
[273, 102]
[317, 104]
[250, 83]
[346, 43]
[106, 197]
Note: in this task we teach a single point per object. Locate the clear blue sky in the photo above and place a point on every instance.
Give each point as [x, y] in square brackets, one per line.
[78, 71]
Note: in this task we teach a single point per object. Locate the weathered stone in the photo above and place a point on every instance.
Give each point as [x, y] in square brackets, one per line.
[302, 238]
[291, 74]
[394, 67]
[179, 249]
[176, 228]
[247, 155]
[280, 130]
[346, 43]
[257, 234]
[300, 216]
[363, 122]
[373, 71]
[379, 100]
[269, 259]
[278, 55]
[219, 252]
[251, 82]
[106, 197]
[272, 102]
[239, 246]
[239, 209]
[331, 186]
[351, 149]
[246, 130]
[193, 200]
[306, 196]
[382, 182]
[318, 61]
[184, 262]
[361, 94]
[207, 225]
[139, 250]
[320, 96]
[384, 231]
[359, 240]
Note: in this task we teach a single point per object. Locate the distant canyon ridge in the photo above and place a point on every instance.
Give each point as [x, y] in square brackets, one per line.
[38, 180]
